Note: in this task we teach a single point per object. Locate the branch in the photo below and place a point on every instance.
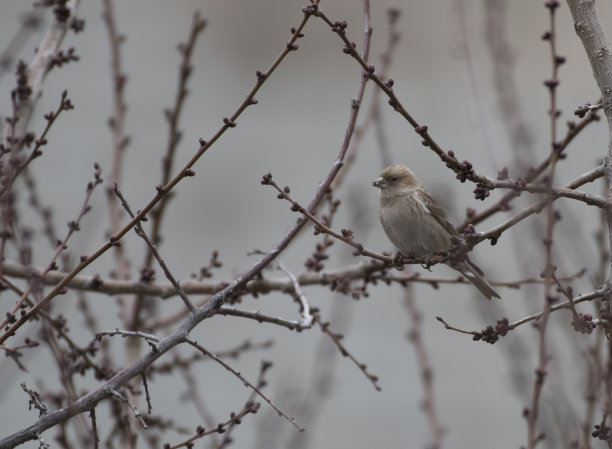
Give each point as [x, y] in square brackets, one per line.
[96, 284]
[599, 53]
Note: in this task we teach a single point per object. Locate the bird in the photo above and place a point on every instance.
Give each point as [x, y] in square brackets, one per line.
[416, 224]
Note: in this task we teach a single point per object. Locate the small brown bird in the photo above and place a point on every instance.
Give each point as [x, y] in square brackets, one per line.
[415, 223]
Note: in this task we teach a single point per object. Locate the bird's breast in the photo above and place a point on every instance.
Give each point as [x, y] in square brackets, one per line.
[410, 226]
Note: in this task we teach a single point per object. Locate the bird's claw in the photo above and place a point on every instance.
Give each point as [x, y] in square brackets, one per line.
[427, 264]
[397, 262]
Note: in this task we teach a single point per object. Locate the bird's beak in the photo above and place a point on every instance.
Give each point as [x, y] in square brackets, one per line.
[378, 182]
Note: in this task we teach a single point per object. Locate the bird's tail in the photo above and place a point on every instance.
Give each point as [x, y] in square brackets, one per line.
[475, 275]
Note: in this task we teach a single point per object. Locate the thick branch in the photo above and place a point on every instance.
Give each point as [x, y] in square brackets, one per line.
[595, 42]
[190, 286]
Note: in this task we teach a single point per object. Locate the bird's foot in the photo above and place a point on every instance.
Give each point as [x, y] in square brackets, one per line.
[427, 264]
[397, 262]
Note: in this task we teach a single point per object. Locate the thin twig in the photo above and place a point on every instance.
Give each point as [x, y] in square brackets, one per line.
[245, 382]
[123, 399]
[532, 414]
[422, 357]
[261, 318]
[346, 237]
[596, 294]
[300, 296]
[198, 25]
[43, 61]
[18, 166]
[335, 338]
[94, 428]
[120, 141]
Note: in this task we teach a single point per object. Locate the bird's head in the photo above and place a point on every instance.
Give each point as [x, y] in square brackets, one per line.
[396, 178]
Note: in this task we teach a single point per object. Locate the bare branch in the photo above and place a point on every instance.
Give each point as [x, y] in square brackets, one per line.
[245, 381]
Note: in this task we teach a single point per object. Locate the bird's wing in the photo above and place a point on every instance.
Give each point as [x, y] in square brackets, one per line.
[432, 207]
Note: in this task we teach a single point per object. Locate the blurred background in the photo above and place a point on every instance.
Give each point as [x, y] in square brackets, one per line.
[472, 71]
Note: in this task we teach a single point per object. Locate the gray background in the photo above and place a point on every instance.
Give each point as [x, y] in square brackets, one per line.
[295, 132]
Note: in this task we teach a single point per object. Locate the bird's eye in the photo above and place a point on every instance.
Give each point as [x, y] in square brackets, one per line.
[394, 179]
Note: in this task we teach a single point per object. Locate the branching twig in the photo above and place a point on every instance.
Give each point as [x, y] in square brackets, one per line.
[503, 203]
[245, 382]
[43, 61]
[73, 226]
[226, 427]
[141, 233]
[172, 117]
[250, 405]
[347, 235]
[495, 232]
[307, 317]
[600, 293]
[18, 166]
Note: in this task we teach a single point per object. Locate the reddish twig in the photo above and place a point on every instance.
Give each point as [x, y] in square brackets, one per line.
[429, 405]
[172, 117]
[324, 326]
[531, 414]
[245, 382]
[506, 326]
[495, 232]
